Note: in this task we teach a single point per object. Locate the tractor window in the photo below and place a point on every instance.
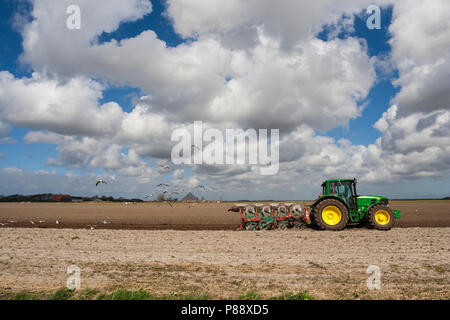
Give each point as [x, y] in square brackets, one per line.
[343, 189]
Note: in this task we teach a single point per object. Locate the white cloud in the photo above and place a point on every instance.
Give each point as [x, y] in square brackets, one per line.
[420, 30]
[67, 108]
[421, 51]
[94, 153]
[253, 64]
[318, 83]
[290, 21]
[48, 43]
[191, 79]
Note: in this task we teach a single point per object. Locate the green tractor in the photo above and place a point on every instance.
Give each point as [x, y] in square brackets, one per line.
[339, 204]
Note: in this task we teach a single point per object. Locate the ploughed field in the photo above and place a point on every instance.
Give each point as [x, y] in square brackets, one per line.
[181, 216]
[191, 250]
[414, 263]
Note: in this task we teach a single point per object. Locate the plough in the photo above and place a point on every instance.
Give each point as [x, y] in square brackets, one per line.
[266, 217]
[336, 207]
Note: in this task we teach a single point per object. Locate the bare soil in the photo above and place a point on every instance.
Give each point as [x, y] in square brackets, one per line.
[414, 262]
[179, 216]
[208, 258]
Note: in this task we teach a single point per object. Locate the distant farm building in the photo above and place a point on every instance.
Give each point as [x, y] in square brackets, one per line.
[190, 197]
[62, 197]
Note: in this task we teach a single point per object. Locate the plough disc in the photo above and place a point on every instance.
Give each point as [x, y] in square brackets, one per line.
[267, 217]
[250, 226]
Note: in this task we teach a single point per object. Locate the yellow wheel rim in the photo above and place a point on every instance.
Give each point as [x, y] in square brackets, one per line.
[331, 215]
[382, 217]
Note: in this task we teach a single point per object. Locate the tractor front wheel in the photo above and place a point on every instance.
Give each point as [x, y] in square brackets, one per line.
[381, 217]
[330, 214]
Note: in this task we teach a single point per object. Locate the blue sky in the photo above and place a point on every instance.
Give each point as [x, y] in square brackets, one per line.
[359, 131]
[181, 32]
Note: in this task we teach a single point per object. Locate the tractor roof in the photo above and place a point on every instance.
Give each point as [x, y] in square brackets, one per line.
[338, 180]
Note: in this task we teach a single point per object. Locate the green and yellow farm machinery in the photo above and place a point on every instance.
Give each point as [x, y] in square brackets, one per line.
[265, 217]
[337, 206]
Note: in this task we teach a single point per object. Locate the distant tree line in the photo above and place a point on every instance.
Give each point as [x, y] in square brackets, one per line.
[49, 197]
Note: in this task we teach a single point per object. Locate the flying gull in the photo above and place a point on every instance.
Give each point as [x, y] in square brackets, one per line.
[162, 185]
[100, 181]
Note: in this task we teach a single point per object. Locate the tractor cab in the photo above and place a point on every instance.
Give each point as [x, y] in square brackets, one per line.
[340, 204]
[344, 189]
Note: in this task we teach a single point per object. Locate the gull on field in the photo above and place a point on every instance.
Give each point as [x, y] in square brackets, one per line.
[100, 181]
[191, 205]
[57, 221]
[32, 222]
[12, 221]
[3, 224]
[106, 222]
[92, 227]
[41, 221]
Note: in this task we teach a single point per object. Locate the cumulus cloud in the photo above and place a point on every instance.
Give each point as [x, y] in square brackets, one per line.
[67, 108]
[255, 64]
[421, 51]
[290, 21]
[49, 44]
[319, 83]
[94, 153]
[205, 76]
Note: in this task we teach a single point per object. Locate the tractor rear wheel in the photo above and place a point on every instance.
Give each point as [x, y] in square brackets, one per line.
[330, 214]
[381, 217]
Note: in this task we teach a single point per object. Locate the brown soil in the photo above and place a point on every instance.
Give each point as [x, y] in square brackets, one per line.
[224, 264]
[182, 216]
[414, 262]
